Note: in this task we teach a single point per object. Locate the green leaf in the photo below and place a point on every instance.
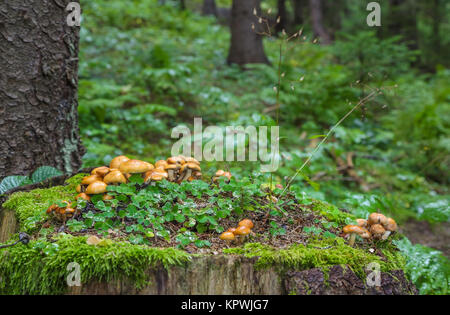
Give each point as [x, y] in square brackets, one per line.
[45, 172]
[11, 182]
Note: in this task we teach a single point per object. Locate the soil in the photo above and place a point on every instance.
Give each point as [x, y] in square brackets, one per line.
[432, 235]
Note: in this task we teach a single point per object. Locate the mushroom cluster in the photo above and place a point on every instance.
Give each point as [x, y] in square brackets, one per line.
[377, 226]
[222, 173]
[239, 233]
[61, 213]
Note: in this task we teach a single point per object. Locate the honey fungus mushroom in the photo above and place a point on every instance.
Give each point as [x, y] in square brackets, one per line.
[354, 230]
[115, 177]
[221, 173]
[376, 218]
[246, 222]
[96, 188]
[242, 231]
[390, 227]
[115, 163]
[187, 169]
[227, 236]
[377, 231]
[135, 167]
[101, 171]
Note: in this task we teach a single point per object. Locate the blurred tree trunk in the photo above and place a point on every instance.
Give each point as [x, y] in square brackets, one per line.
[402, 20]
[298, 6]
[282, 13]
[182, 5]
[209, 7]
[246, 45]
[38, 87]
[317, 21]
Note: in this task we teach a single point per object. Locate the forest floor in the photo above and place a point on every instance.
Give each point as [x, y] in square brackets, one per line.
[432, 235]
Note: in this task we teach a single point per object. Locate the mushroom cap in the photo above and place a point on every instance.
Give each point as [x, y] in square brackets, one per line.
[155, 176]
[227, 175]
[220, 173]
[51, 208]
[101, 171]
[135, 167]
[115, 163]
[191, 166]
[361, 222]
[365, 233]
[107, 197]
[242, 230]
[161, 163]
[83, 196]
[232, 230]
[390, 225]
[115, 177]
[79, 188]
[176, 160]
[227, 236]
[377, 230]
[376, 218]
[246, 222]
[90, 179]
[96, 188]
[351, 229]
[172, 167]
[191, 160]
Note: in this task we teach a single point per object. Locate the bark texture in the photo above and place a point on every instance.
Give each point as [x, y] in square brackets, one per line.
[236, 275]
[209, 7]
[38, 87]
[298, 7]
[246, 45]
[282, 13]
[317, 22]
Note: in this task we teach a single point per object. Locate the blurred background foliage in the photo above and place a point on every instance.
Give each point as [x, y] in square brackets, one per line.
[147, 66]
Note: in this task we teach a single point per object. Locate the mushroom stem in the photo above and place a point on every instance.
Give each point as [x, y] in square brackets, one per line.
[185, 176]
[386, 235]
[352, 239]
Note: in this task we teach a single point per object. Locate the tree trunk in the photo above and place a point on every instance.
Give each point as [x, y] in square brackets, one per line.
[38, 87]
[317, 21]
[298, 6]
[282, 13]
[246, 45]
[209, 7]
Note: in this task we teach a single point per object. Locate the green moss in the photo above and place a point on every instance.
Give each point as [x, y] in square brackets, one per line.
[41, 267]
[332, 213]
[320, 254]
[34, 203]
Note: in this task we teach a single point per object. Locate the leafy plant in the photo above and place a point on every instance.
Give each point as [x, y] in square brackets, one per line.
[39, 175]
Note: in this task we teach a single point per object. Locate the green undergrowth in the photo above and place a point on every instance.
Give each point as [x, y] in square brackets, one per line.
[42, 267]
[319, 254]
[30, 206]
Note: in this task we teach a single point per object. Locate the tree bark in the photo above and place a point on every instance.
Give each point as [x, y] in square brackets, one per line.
[209, 7]
[38, 87]
[317, 21]
[246, 45]
[282, 13]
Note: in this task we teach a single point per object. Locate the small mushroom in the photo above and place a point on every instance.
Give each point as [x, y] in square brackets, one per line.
[390, 227]
[221, 173]
[90, 179]
[186, 171]
[227, 236]
[354, 230]
[361, 223]
[242, 231]
[161, 163]
[153, 177]
[176, 160]
[376, 218]
[101, 171]
[172, 171]
[115, 177]
[107, 197]
[115, 163]
[96, 188]
[232, 230]
[83, 196]
[135, 167]
[377, 231]
[246, 222]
